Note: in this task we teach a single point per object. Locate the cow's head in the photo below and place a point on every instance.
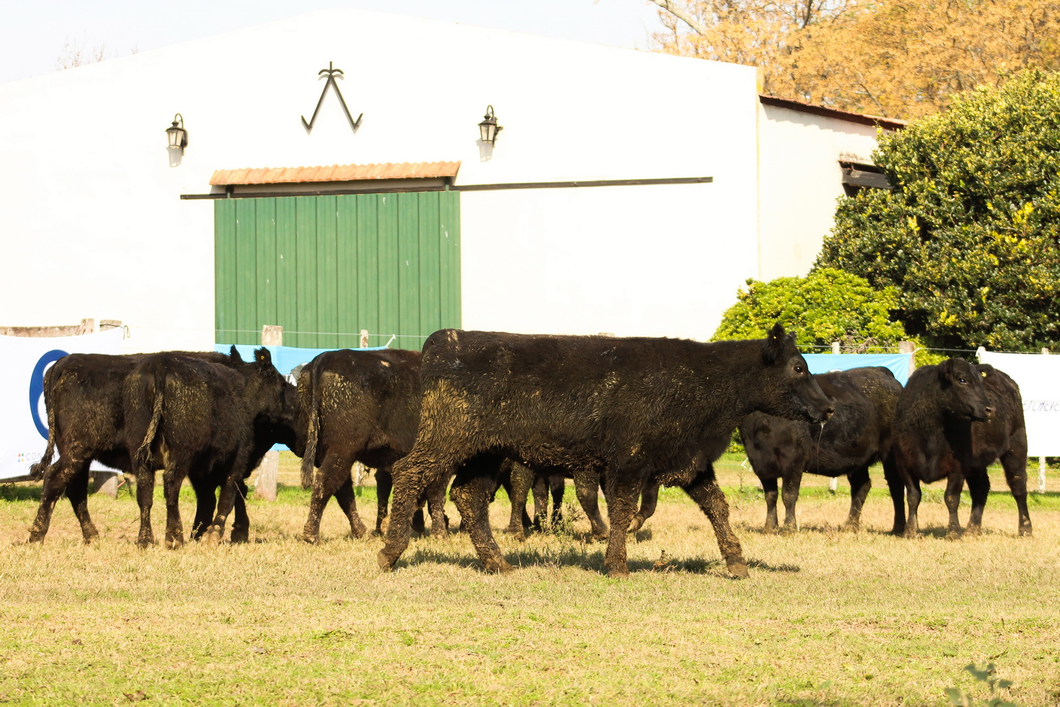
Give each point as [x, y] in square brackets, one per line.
[961, 385]
[273, 396]
[789, 389]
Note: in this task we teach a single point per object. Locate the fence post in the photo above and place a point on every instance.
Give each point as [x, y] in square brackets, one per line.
[360, 472]
[269, 469]
[835, 347]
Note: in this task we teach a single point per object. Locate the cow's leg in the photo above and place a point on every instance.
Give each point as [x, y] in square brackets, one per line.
[1014, 462]
[979, 489]
[410, 477]
[557, 485]
[470, 492]
[347, 499]
[145, 498]
[770, 487]
[521, 479]
[333, 474]
[704, 490]
[897, 487]
[227, 498]
[954, 486]
[384, 483]
[56, 479]
[622, 491]
[649, 500]
[436, 508]
[77, 492]
[172, 478]
[240, 519]
[540, 490]
[860, 484]
[912, 493]
[587, 489]
[790, 496]
[205, 504]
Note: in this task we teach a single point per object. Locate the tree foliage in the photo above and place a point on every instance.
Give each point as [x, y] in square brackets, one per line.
[971, 233]
[827, 305]
[897, 58]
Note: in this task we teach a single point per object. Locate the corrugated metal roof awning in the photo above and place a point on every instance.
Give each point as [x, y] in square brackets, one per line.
[335, 173]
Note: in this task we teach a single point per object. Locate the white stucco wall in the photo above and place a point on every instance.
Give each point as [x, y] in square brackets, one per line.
[799, 183]
[94, 227]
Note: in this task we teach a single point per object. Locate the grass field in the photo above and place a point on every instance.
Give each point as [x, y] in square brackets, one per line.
[826, 618]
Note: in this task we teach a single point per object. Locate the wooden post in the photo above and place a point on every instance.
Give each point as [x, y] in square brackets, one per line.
[269, 470]
[364, 338]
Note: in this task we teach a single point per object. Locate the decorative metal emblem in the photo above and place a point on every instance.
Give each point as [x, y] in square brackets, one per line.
[331, 83]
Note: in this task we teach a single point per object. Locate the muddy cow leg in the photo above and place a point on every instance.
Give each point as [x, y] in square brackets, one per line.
[522, 478]
[770, 487]
[979, 489]
[333, 474]
[587, 489]
[649, 501]
[790, 496]
[56, 480]
[227, 498]
[860, 484]
[704, 490]
[205, 504]
[912, 493]
[347, 500]
[954, 486]
[436, 508]
[1015, 464]
[410, 476]
[471, 492]
[240, 519]
[171, 481]
[557, 484]
[540, 490]
[622, 491]
[384, 483]
[77, 492]
[145, 498]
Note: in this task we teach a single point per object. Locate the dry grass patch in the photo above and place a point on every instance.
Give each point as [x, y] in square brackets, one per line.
[827, 618]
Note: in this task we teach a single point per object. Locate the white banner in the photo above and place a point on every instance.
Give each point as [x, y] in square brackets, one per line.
[23, 418]
[1038, 376]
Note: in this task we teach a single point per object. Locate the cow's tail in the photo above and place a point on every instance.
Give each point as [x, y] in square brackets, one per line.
[37, 470]
[143, 454]
[312, 417]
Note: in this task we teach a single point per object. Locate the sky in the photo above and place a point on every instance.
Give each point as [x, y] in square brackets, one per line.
[35, 34]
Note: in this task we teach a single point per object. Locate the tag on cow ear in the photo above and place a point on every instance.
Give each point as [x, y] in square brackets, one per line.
[234, 354]
[773, 349]
[263, 356]
[985, 369]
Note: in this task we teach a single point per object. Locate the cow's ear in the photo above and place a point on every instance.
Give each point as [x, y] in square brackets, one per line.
[234, 354]
[985, 369]
[773, 348]
[946, 370]
[263, 356]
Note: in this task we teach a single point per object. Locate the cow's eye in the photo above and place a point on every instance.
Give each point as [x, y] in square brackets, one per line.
[962, 381]
[798, 368]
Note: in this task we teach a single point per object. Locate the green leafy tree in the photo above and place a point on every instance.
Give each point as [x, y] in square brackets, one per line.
[828, 305]
[969, 235]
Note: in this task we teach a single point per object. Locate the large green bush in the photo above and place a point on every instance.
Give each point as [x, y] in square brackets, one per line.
[828, 305]
[969, 235]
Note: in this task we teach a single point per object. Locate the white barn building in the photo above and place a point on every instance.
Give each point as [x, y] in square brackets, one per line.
[628, 192]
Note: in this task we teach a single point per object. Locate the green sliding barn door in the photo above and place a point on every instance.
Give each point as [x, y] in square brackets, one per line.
[326, 267]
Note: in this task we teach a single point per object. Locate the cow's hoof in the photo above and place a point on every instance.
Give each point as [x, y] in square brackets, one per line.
[911, 534]
[737, 568]
[1026, 532]
[973, 531]
[618, 573]
[499, 566]
[212, 536]
[636, 524]
[385, 563]
[240, 536]
[174, 543]
[850, 527]
[770, 529]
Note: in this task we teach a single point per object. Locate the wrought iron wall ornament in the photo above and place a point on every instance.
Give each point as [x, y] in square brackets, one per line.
[331, 83]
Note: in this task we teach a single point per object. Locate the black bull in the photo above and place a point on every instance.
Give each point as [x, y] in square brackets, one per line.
[631, 409]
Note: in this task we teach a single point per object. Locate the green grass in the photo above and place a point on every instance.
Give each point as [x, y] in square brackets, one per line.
[826, 618]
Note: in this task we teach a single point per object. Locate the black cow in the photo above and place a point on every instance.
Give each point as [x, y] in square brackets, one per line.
[628, 409]
[857, 436]
[196, 418]
[86, 423]
[357, 406]
[952, 420]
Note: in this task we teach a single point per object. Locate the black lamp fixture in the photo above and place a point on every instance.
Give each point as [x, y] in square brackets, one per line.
[488, 128]
[178, 136]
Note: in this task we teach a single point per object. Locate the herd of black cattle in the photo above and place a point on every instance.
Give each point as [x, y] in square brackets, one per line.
[480, 409]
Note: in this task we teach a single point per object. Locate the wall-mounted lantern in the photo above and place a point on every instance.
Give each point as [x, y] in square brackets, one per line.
[178, 136]
[488, 128]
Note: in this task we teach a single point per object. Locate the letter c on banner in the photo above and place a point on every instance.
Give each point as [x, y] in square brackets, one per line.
[36, 387]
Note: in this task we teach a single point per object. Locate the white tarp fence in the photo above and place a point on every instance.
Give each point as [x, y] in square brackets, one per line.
[23, 418]
[1038, 376]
